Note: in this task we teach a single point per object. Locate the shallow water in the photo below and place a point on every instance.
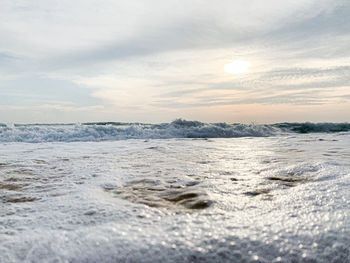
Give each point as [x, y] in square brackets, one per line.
[251, 199]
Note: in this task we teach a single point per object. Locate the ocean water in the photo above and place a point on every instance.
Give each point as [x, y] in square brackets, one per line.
[175, 192]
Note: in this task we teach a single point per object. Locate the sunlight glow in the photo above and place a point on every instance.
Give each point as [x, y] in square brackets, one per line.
[237, 67]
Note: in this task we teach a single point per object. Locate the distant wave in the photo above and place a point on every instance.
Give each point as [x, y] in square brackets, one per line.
[103, 131]
[309, 127]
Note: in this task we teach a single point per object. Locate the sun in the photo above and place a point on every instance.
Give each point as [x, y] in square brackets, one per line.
[237, 67]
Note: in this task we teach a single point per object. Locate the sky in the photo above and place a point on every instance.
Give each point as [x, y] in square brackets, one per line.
[155, 61]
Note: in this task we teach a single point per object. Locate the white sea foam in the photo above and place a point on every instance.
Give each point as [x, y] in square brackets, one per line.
[266, 199]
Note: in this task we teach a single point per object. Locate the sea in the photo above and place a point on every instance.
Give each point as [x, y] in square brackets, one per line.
[184, 191]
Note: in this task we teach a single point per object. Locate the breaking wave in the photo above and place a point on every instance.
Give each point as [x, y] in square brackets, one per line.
[103, 131]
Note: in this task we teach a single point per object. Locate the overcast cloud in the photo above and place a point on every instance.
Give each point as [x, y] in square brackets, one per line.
[154, 61]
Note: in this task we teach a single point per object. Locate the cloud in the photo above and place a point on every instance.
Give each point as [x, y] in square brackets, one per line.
[92, 30]
[141, 57]
[32, 90]
[303, 86]
[208, 26]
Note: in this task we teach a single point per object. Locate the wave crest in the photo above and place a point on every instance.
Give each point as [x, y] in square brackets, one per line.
[179, 128]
